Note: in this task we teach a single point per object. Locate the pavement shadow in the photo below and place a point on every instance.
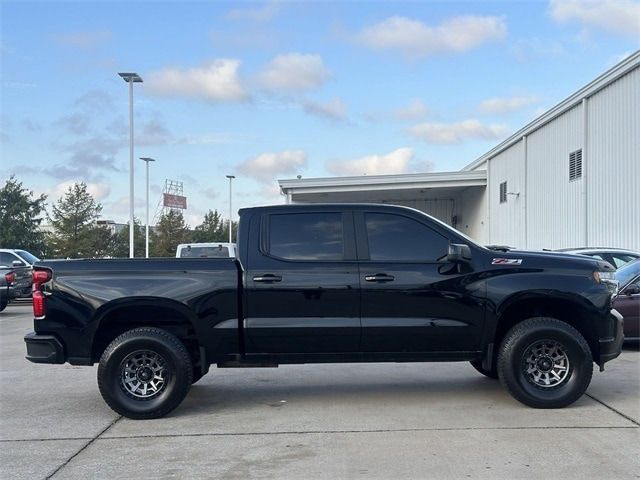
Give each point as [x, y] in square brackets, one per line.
[211, 397]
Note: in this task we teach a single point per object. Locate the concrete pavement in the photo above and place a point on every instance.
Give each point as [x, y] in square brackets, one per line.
[440, 420]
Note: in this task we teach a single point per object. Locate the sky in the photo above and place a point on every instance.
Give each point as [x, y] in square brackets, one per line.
[273, 90]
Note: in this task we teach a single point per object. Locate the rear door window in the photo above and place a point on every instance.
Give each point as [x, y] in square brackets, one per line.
[396, 238]
[306, 236]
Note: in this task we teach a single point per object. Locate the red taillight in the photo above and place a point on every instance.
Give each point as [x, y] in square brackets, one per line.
[10, 278]
[38, 303]
[39, 277]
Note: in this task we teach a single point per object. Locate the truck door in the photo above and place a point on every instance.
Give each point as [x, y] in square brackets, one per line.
[413, 301]
[302, 288]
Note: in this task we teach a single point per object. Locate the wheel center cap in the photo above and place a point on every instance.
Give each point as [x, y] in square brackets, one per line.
[145, 374]
[544, 364]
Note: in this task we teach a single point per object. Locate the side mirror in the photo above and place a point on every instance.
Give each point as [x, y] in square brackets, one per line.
[458, 253]
[17, 263]
[632, 289]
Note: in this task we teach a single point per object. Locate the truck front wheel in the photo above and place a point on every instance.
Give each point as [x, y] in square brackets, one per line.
[145, 373]
[545, 363]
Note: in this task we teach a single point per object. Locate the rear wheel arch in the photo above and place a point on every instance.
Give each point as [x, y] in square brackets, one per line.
[115, 318]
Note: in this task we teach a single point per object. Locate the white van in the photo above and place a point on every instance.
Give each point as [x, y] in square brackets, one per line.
[206, 250]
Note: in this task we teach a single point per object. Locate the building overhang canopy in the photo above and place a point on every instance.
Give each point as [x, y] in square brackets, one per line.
[379, 188]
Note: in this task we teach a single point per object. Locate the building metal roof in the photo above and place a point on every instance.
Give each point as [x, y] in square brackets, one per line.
[475, 178]
[600, 82]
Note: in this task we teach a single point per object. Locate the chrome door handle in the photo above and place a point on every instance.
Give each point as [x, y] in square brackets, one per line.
[268, 278]
[379, 277]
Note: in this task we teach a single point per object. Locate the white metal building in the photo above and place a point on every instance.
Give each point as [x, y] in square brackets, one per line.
[570, 178]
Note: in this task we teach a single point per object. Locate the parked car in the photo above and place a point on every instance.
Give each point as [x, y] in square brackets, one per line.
[206, 250]
[329, 283]
[628, 300]
[21, 262]
[7, 282]
[615, 256]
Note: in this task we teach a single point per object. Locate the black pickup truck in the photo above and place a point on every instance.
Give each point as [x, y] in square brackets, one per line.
[329, 283]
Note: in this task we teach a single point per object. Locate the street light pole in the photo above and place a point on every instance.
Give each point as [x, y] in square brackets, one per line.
[230, 177]
[131, 78]
[146, 236]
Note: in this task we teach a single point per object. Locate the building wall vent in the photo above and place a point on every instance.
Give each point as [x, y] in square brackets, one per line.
[575, 165]
[503, 192]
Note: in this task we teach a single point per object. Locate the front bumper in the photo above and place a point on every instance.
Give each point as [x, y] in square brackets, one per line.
[43, 348]
[611, 347]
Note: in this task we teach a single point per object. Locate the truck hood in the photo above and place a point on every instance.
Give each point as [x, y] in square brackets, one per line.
[543, 259]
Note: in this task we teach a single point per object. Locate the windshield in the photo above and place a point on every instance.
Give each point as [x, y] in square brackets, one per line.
[31, 259]
[449, 228]
[627, 272]
[204, 252]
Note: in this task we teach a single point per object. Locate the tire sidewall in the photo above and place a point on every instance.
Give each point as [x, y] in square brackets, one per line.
[512, 374]
[110, 377]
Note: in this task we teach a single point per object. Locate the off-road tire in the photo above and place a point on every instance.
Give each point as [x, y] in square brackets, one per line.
[493, 373]
[175, 359]
[515, 364]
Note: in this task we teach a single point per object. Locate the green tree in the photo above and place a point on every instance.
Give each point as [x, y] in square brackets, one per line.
[121, 247]
[168, 233]
[212, 229]
[20, 218]
[75, 233]
[234, 231]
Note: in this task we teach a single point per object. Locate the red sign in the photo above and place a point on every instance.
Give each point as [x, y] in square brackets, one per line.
[175, 201]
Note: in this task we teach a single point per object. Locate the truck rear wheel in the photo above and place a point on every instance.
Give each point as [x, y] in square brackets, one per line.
[545, 363]
[145, 373]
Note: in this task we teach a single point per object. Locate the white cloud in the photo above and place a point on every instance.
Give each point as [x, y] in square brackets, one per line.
[212, 138]
[527, 50]
[293, 72]
[413, 37]
[121, 207]
[216, 81]
[450, 133]
[415, 110]
[267, 166]
[396, 161]
[257, 14]
[99, 191]
[85, 40]
[615, 16]
[505, 104]
[334, 109]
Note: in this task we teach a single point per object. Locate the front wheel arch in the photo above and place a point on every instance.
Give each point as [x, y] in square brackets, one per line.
[567, 309]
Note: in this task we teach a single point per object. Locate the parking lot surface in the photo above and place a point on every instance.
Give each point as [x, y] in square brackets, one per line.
[438, 420]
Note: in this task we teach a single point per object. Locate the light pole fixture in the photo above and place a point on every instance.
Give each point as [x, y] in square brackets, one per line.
[230, 177]
[146, 235]
[131, 78]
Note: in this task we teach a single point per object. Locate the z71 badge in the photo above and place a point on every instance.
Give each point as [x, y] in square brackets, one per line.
[506, 261]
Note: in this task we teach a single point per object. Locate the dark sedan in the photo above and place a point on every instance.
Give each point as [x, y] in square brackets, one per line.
[628, 300]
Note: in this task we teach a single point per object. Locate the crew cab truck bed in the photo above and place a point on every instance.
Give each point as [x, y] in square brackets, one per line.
[328, 283]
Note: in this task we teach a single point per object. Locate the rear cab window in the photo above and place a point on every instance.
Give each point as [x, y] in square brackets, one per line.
[204, 252]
